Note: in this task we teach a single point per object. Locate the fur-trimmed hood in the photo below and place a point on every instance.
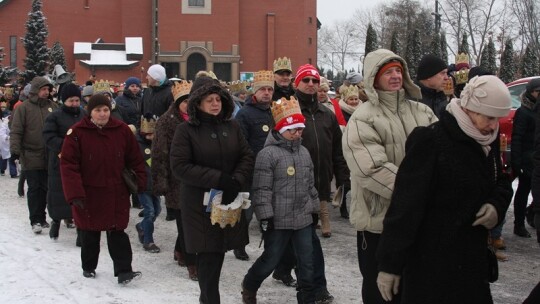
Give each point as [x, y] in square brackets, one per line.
[195, 98]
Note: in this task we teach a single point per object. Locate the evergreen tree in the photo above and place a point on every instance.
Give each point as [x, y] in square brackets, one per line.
[395, 45]
[330, 74]
[508, 66]
[435, 47]
[57, 56]
[413, 53]
[529, 63]
[464, 46]
[444, 48]
[35, 43]
[488, 60]
[371, 40]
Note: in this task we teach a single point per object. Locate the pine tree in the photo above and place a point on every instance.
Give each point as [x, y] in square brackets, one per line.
[435, 46]
[464, 46]
[35, 43]
[371, 40]
[508, 66]
[529, 63]
[395, 45]
[57, 56]
[444, 48]
[413, 53]
[488, 60]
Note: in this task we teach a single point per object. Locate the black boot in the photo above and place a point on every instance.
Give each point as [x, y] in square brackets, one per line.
[343, 211]
[170, 215]
[241, 254]
[54, 229]
[521, 231]
[126, 277]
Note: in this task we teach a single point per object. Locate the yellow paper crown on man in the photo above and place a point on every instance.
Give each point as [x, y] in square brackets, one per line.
[282, 64]
[263, 79]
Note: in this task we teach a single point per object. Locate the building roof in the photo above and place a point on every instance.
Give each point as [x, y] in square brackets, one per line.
[110, 55]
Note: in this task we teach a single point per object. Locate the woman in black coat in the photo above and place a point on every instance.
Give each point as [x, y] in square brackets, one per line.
[449, 191]
[55, 128]
[209, 152]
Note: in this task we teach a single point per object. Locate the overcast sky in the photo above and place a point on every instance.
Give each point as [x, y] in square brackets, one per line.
[329, 11]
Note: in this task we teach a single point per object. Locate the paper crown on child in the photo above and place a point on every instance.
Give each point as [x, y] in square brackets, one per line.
[181, 88]
[350, 91]
[148, 123]
[287, 114]
[282, 64]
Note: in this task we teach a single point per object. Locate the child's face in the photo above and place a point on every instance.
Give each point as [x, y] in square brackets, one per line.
[293, 134]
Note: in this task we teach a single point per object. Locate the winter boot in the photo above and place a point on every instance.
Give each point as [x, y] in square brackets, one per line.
[55, 228]
[69, 223]
[248, 297]
[126, 277]
[192, 271]
[521, 231]
[170, 215]
[241, 254]
[36, 228]
[325, 220]
[89, 273]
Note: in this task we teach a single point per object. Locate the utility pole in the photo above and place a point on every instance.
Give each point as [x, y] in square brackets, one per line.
[437, 17]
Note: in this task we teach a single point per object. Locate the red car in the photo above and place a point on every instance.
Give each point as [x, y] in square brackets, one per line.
[505, 124]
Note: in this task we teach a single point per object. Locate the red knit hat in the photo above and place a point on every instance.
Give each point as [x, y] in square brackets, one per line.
[304, 71]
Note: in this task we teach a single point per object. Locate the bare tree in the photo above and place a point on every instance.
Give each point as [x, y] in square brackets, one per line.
[527, 14]
[337, 43]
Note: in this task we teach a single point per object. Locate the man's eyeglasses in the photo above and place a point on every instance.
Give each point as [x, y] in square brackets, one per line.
[295, 130]
[307, 80]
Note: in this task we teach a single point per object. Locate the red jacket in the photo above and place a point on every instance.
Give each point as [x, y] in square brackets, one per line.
[91, 165]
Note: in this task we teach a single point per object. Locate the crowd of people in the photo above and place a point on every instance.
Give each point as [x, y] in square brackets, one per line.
[417, 168]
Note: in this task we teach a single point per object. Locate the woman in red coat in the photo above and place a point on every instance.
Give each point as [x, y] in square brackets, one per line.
[94, 153]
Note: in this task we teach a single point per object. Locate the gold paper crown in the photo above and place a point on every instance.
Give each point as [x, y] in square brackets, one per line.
[225, 217]
[181, 88]
[351, 90]
[102, 86]
[237, 86]
[282, 64]
[462, 58]
[148, 126]
[284, 108]
[462, 76]
[263, 79]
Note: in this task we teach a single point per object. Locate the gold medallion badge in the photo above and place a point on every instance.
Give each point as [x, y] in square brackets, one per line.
[291, 170]
[265, 128]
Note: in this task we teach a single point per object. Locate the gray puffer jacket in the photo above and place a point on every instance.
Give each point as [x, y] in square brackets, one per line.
[283, 184]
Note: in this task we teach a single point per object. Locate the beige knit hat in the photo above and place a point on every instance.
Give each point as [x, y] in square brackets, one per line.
[486, 95]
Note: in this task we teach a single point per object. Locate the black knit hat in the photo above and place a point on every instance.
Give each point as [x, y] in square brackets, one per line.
[70, 90]
[534, 84]
[98, 100]
[429, 65]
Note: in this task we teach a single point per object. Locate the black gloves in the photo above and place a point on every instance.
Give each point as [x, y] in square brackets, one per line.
[267, 225]
[79, 203]
[230, 188]
[14, 156]
[315, 217]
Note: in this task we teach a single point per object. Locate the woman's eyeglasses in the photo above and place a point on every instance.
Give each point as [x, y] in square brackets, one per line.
[307, 80]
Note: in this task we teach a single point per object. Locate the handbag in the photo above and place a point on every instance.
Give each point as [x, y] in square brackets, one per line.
[493, 265]
[130, 179]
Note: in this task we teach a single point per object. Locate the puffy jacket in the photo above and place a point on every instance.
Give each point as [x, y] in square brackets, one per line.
[283, 184]
[374, 142]
[157, 100]
[130, 108]
[256, 121]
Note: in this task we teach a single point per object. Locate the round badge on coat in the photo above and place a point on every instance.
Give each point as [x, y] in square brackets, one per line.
[291, 171]
[69, 131]
[147, 151]
[265, 128]
[50, 109]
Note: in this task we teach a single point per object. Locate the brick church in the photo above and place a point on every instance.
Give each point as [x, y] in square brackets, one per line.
[118, 39]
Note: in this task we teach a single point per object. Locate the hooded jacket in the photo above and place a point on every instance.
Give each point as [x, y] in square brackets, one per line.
[374, 141]
[288, 196]
[27, 127]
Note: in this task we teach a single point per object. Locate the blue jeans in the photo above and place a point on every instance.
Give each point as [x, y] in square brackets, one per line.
[12, 167]
[275, 243]
[496, 232]
[151, 209]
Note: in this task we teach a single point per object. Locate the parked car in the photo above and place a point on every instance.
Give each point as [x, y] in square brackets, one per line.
[515, 87]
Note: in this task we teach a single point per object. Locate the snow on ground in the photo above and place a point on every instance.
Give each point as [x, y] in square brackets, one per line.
[36, 269]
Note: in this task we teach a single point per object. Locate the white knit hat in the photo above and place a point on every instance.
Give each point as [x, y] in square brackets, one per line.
[486, 95]
[157, 72]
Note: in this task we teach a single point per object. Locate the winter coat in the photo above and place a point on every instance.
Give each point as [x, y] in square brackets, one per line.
[374, 143]
[535, 183]
[428, 236]
[145, 146]
[522, 145]
[280, 92]
[255, 121]
[91, 165]
[202, 150]
[130, 106]
[27, 132]
[435, 100]
[283, 184]
[163, 181]
[157, 100]
[56, 126]
[4, 139]
[322, 138]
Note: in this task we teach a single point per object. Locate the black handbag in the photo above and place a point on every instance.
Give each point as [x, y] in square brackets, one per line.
[130, 178]
[493, 265]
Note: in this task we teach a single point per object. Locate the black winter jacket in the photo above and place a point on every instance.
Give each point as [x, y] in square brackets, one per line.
[428, 236]
[130, 106]
[322, 138]
[522, 145]
[434, 99]
[157, 100]
[255, 121]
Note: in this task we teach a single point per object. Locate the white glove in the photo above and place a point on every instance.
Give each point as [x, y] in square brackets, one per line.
[486, 216]
[388, 285]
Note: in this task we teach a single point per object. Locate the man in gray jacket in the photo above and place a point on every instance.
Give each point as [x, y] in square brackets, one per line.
[27, 145]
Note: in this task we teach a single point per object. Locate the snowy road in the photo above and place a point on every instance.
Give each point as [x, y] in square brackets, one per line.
[37, 270]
